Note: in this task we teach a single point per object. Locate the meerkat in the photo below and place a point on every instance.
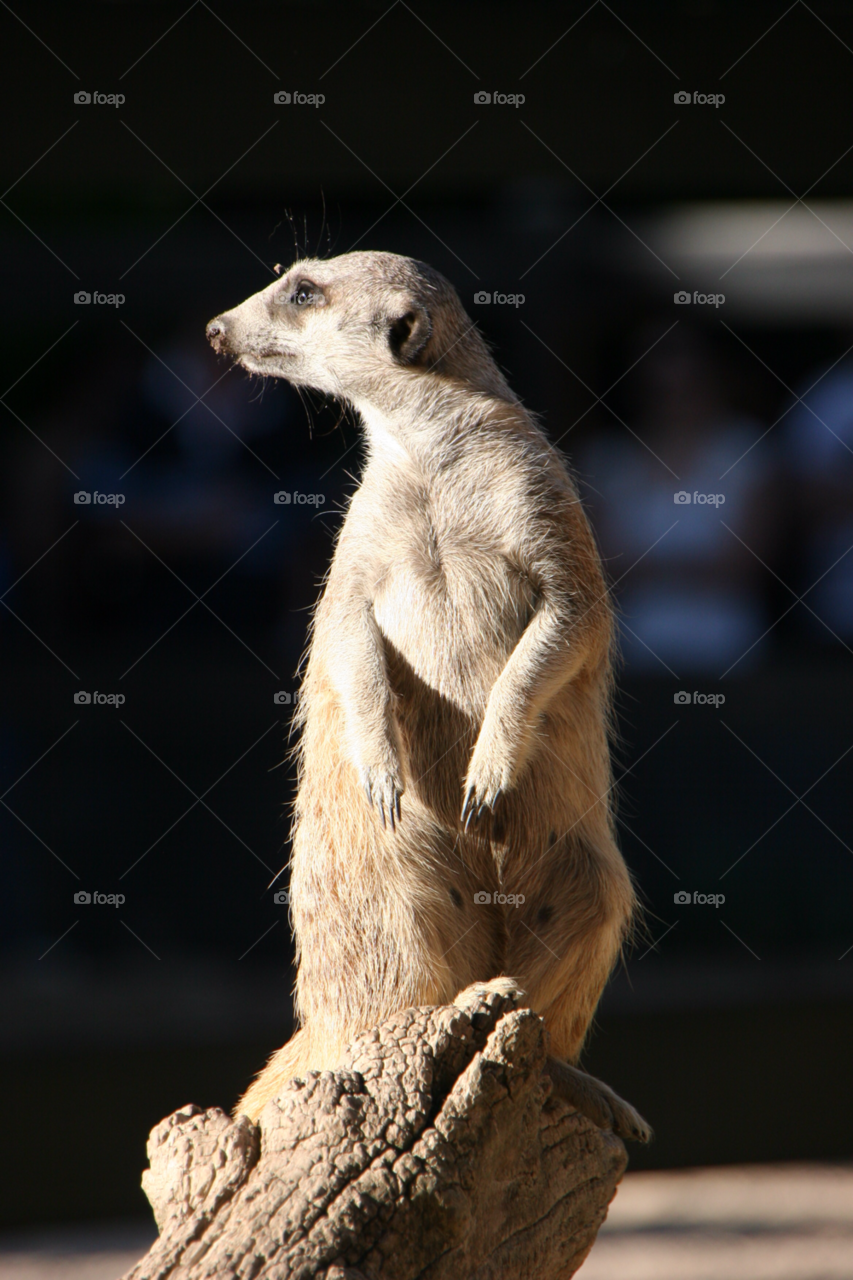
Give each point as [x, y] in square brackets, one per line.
[453, 823]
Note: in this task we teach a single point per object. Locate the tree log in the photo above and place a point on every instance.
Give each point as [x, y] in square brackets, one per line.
[438, 1150]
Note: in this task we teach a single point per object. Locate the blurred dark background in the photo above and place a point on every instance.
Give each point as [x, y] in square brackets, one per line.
[582, 212]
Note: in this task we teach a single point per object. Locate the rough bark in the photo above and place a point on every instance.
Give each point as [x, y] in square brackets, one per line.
[438, 1150]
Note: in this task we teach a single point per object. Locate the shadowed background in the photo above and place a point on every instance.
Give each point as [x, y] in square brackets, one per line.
[580, 213]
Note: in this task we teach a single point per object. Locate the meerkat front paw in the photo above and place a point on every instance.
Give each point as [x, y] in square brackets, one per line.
[488, 778]
[383, 789]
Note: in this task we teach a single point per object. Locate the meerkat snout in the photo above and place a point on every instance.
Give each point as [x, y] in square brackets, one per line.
[215, 334]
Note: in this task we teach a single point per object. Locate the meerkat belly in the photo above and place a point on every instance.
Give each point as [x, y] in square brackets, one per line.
[454, 620]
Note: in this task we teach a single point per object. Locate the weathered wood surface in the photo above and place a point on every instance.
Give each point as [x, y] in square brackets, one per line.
[438, 1151]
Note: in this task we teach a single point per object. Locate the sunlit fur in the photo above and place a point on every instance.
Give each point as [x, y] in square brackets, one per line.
[462, 646]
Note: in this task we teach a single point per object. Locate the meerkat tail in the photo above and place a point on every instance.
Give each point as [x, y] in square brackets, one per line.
[291, 1060]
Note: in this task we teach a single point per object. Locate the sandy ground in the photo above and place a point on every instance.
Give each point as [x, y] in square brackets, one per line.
[786, 1222]
[783, 1222]
[93, 1252]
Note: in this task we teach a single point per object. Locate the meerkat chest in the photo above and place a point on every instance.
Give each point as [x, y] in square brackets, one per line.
[450, 599]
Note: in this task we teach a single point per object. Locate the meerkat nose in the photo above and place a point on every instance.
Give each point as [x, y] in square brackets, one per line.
[215, 332]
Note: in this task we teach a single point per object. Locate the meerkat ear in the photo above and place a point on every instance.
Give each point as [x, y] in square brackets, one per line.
[409, 334]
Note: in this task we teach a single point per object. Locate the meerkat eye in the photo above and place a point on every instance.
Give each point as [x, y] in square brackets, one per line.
[305, 294]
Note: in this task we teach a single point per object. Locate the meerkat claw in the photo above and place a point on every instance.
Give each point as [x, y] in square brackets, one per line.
[469, 809]
[476, 809]
[382, 793]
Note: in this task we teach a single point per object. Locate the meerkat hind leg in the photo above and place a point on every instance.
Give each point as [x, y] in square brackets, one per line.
[597, 1101]
[591, 1097]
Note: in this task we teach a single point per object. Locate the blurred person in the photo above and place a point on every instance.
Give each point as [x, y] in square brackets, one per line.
[187, 455]
[662, 491]
[196, 453]
[818, 454]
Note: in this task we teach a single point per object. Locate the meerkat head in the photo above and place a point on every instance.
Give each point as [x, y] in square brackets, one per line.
[344, 324]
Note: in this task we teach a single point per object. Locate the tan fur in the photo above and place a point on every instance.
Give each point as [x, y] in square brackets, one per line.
[460, 659]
